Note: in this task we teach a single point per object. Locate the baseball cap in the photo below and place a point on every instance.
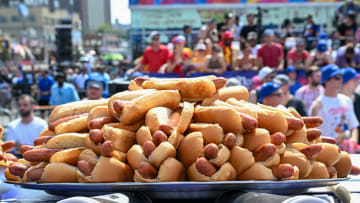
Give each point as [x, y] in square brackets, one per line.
[200, 46]
[153, 34]
[252, 35]
[321, 46]
[282, 79]
[178, 39]
[95, 84]
[349, 74]
[267, 89]
[323, 36]
[265, 72]
[329, 71]
[290, 69]
[269, 32]
[299, 42]
[228, 35]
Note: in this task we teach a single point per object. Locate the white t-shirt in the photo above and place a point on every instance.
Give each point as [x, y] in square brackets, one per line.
[338, 116]
[25, 134]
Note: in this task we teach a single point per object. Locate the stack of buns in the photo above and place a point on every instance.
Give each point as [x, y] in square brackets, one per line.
[164, 130]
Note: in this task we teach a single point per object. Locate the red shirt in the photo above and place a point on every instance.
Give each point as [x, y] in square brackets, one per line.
[178, 67]
[155, 59]
[270, 54]
[298, 57]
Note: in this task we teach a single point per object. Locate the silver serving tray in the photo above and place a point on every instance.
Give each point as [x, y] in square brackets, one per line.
[178, 190]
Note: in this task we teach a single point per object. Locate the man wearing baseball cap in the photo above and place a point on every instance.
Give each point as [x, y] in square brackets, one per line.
[154, 55]
[270, 53]
[271, 94]
[335, 109]
[350, 82]
[94, 89]
[291, 72]
[266, 74]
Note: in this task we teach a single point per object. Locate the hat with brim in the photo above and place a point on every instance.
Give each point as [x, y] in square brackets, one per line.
[282, 79]
[95, 84]
[265, 72]
[268, 89]
[290, 69]
[349, 74]
[329, 71]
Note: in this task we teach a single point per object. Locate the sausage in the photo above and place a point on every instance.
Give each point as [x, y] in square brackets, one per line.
[25, 148]
[6, 146]
[61, 120]
[148, 148]
[106, 149]
[95, 135]
[147, 170]
[313, 133]
[211, 150]
[119, 105]
[173, 121]
[39, 155]
[17, 169]
[34, 174]
[2, 155]
[283, 170]
[294, 123]
[42, 140]
[98, 123]
[230, 140]
[312, 122]
[355, 170]
[85, 167]
[311, 151]
[219, 82]
[159, 137]
[205, 167]
[330, 140]
[332, 171]
[278, 138]
[139, 80]
[264, 152]
[10, 157]
[248, 122]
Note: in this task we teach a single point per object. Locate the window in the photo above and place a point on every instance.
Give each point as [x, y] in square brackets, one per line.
[15, 18]
[31, 18]
[3, 19]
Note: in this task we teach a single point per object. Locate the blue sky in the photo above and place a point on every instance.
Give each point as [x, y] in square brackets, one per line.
[120, 9]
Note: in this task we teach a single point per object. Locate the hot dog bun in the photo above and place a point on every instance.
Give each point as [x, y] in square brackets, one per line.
[343, 165]
[59, 173]
[257, 171]
[66, 141]
[68, 156]
[212, 133]
[236, 92]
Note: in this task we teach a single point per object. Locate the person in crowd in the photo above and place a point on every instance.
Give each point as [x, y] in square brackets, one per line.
[346, 8]
[215, 63]
[99, 72]
[282, 41]
[287, 28]
[347, 28]
[229, 22]
[250, 27]
[94, 88]
[5, 92]
[212, 32]
[299, 57]
[190, 38]
[198, 61]
[308, 93]
[225, 44]
[320, 56]
[350, 41]
[45, 82]
[203, 39]
[21, 83]
[154, 57]
[70, 78]
[270, 94]
[288, 100]
[350, 82]
[311, 31]
[27, 128]
[270, 53]
[291, 72]
[80, 81]
[178, 58]
[348, 59]
[252, 40]
[335, 109]
[265, 75]
[62, 92]
[245, 60]
[238, 26]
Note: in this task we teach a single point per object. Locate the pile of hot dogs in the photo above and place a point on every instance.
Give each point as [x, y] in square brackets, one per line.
[6, 158]
[175, 130]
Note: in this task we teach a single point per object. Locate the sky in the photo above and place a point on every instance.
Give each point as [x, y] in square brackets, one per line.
[120, 9]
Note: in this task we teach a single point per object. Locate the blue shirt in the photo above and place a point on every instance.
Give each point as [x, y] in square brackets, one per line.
[67, 93]
[45, 86]
[294, 87]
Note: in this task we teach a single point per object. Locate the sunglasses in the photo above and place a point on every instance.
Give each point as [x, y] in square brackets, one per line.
[276, 94]
[337, 77]
[155, 38]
